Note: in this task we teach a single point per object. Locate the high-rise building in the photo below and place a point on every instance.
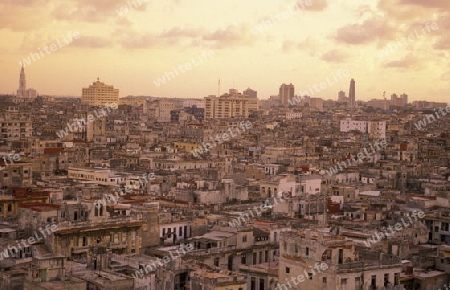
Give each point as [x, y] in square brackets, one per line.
[251, 93]
[404, 99]
[230, 106]
[286, 93]
[394, 99]
[351, 94]
[22, 92]
[342, 97]
[316, 103]
[99, 94]
[399, 101]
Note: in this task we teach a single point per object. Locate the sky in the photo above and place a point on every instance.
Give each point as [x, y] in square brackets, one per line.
[131, 44]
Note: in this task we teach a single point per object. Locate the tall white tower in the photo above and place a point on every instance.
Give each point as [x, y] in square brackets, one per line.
[22, 91]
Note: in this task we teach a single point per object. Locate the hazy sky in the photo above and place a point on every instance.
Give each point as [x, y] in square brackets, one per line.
[303, 47]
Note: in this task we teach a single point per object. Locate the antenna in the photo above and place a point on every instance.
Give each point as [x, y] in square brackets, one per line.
[218, 89]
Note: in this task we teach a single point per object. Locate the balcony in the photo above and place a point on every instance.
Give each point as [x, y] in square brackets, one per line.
[117, 245]
[80, 250]
[103, 222]
[202, 252]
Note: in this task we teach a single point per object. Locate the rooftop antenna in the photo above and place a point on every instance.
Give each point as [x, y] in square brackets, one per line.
[385, 106]
[218, 89]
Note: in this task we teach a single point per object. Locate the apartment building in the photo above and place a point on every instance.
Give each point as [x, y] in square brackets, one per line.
[99, 94]
[328, 262]
[233, 105]
[375, 129]
[101, 176]
[15, 124]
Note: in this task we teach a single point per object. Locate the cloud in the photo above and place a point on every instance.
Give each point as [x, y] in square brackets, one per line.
[443, 23]
[175, 36]
[335, 55]
[443, 4]
[309, 46]
[408, 61]
[288, 45]
[92, 42]
[180, 32]
[67, 11]
[21, 19]
[443, 43]
[316, 5]
[372, 29]
[402, 12]
[446, 76]
[144, 40]
[232, 35]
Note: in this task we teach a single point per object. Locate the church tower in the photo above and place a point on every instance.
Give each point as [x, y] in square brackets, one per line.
[22, 91]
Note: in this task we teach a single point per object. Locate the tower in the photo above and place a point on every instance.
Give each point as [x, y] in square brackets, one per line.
[351, 94]
[22, 91]
[286, 93]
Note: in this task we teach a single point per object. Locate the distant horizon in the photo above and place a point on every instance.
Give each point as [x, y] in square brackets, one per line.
[173, 48]
[76, 97]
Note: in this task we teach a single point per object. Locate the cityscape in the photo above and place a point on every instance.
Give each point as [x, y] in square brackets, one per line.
[229, 146]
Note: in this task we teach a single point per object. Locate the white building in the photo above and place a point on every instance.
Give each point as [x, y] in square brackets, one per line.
[22, 92]
[308, 184]
[376, 129]
[163, 110]
[188, 103]
[98, 175]
[293, 115]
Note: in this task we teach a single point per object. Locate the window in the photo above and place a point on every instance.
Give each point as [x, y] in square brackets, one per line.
[9, 207]
[244, 259]
[253, 283]
[386, 279]
[324, 280]
[216, 262]
[343, 281]
[262, 284]
[244, 239]
[341, 256]
[287, 270]
[307, 251]
[396, 278]
[296, 249]
[373, 282]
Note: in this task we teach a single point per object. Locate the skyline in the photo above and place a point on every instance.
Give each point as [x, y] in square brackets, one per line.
[301, 46]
